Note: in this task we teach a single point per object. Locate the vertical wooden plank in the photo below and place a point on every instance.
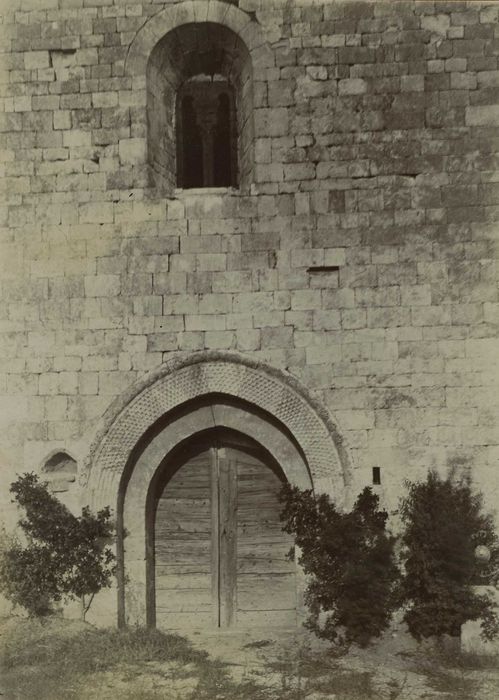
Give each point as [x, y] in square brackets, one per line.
[228, 536]
[182, 548]
[232, 540]
[266, 580]
[222, 495]
[215, 536]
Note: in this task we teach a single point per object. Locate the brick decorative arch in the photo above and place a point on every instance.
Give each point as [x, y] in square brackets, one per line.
[201, 374]
[216, 11]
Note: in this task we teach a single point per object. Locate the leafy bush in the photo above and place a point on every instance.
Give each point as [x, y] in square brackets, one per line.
[64, 555]
[349, 558]
[444, 523]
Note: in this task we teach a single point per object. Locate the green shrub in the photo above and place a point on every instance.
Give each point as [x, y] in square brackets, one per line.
[64, 555]
[349, 558]
[444, 523]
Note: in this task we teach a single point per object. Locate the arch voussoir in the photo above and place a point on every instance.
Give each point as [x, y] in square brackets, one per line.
[207, 374]
[192, 11]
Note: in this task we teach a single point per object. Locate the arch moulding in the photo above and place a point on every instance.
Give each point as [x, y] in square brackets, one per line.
[164, 21]
[214, 373]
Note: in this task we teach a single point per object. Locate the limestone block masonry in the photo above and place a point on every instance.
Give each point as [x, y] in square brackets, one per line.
[358, 257]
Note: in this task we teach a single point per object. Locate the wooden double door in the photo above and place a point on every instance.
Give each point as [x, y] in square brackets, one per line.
[219, 550]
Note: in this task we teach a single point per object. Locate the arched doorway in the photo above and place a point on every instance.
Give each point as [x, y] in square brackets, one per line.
[173, 407]
[217, 555]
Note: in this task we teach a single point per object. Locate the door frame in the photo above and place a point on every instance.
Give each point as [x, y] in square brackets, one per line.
[219, 437]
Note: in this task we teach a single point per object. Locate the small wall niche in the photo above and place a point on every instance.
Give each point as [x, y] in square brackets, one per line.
[376, 476]
[60, 471]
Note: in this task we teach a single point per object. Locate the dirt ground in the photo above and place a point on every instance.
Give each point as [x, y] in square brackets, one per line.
[398, 668]
[237, 666]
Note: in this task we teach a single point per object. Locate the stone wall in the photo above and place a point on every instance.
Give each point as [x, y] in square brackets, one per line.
[376, 151]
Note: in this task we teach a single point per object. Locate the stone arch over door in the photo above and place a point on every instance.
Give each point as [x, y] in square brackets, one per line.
[180, 400]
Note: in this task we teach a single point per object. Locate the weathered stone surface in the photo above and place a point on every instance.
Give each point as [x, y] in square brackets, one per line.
[375, 136]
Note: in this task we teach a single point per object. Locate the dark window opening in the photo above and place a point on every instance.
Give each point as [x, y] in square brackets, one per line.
[222, 155]
[377, 475]
[206, 135]
[192, 152]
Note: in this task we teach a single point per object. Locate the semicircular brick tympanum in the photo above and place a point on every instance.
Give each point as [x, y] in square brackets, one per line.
[182, 381]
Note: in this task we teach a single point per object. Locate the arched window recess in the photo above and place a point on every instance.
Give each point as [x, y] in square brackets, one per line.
[199, 109]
